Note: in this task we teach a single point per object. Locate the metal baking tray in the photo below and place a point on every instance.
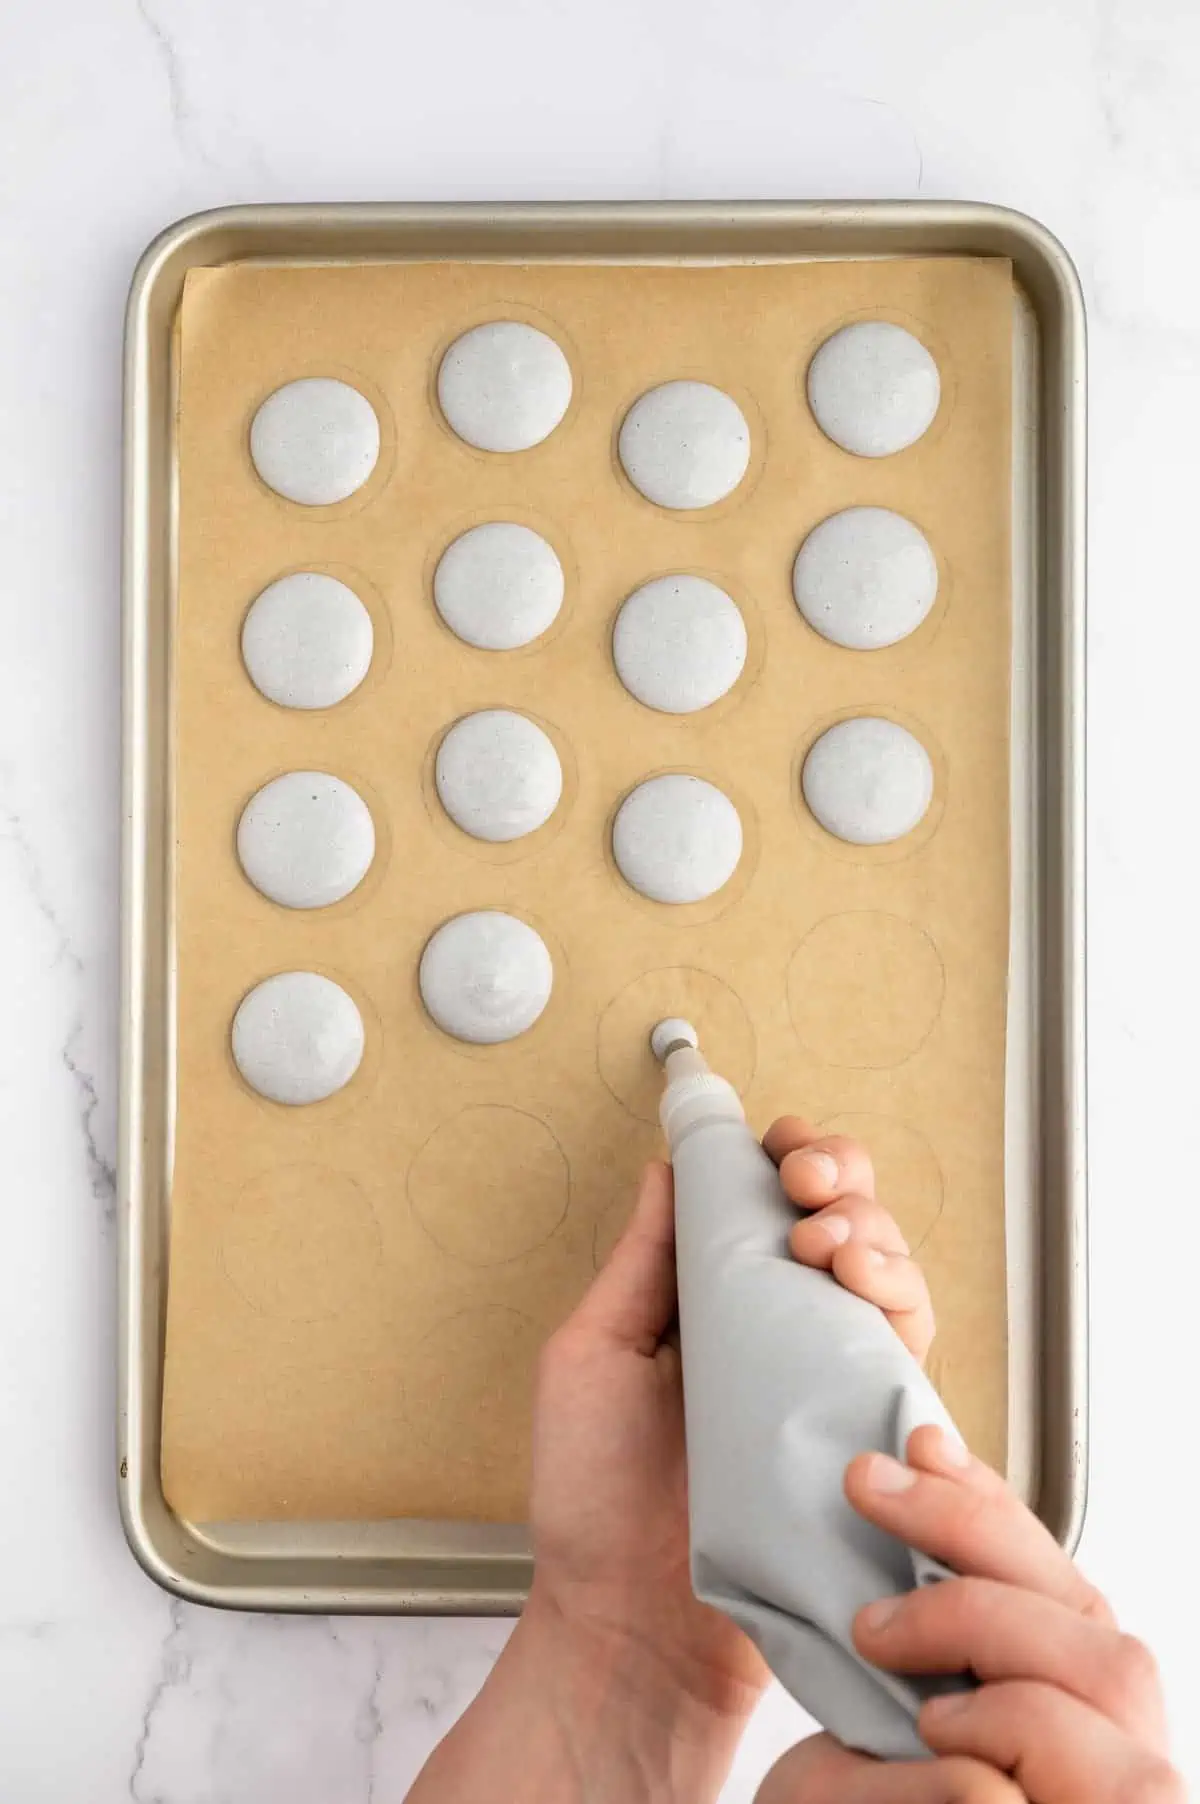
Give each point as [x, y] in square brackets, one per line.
[475, 1569]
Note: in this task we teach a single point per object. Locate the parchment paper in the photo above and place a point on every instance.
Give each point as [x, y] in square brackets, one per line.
[358, 1289]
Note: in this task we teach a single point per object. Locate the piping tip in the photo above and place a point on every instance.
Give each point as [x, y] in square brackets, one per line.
[669, 1035]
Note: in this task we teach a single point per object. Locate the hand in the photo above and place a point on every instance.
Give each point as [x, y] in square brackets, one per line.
[851, 1234]
[609, 1496]
[609, 1501]
[617, 1683]
[616, 1686]
[1069, 1710]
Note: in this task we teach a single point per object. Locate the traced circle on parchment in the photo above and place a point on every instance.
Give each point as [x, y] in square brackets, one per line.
[628, 1067]
[504, 386]
[302, 1243]
[469, 1385]
[874, 388]
[865, 989]
[908, 1179]
[499, 311]
[745, 487]
[509, 851]
[390, 445]
[503, 513]
[464, 1193]
[890, 851]
[926, 334]
[688, 914]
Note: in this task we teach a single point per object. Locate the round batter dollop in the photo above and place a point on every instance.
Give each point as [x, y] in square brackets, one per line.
[679, 644]
[874, 389]
[498, 586]
[315, 441]
[498, 775]
[307, 641]
[306, 839]
[865, 578]
[685, 445]
[485, 977]
[504, 386]
[868, 781]
[297, 1037]
[677, 839]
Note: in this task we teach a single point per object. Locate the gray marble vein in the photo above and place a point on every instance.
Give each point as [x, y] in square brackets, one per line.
[101, 1167]
[170, 62]
[174, 1669]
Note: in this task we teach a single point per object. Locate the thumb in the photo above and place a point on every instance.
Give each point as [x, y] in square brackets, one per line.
[821, 1771]
[632, 1300]
[818, 1770]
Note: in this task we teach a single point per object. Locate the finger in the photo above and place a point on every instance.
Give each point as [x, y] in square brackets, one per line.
[632, 1300]
[1059, 1750]
[893, 1283]
[972, 1520]
[815, 1239]
[932, 1450]
[833, 1166]
[1001, 1632]
[786, 1134]
[817, 1167]
[821, 1771]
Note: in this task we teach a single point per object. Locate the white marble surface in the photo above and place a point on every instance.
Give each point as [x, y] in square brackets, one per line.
[117, 116]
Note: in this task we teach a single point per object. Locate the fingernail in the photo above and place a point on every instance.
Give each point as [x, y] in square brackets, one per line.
[875, 1257]
[823, 1167]
[952, 1452]
[939, 1709]
[877, 1616]
[888, 1475]
[836, 1227]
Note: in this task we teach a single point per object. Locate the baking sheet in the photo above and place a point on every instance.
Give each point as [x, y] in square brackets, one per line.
[357, 1289]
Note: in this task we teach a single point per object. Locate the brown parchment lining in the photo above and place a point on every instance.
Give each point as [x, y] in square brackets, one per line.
[358, 1289]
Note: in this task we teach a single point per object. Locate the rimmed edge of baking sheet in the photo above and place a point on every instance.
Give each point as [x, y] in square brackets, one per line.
[481, 1569]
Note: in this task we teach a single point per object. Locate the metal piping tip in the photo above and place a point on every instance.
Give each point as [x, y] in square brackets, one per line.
[669, 1035]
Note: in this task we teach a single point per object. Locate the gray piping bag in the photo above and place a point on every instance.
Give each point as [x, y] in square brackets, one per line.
[786, 1378]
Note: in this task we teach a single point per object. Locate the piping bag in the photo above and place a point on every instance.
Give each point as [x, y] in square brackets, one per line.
[786, 1377]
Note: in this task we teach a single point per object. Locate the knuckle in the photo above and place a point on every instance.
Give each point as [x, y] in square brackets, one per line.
[970, 1510]
[881, 1226]
[970, 1600]
[1093, 1604]
[852, 1203]
[848, 1207]
[1135, 1670]
[954, 1608]
[1156, 1782]
[872, 1222]
[910, 1280]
